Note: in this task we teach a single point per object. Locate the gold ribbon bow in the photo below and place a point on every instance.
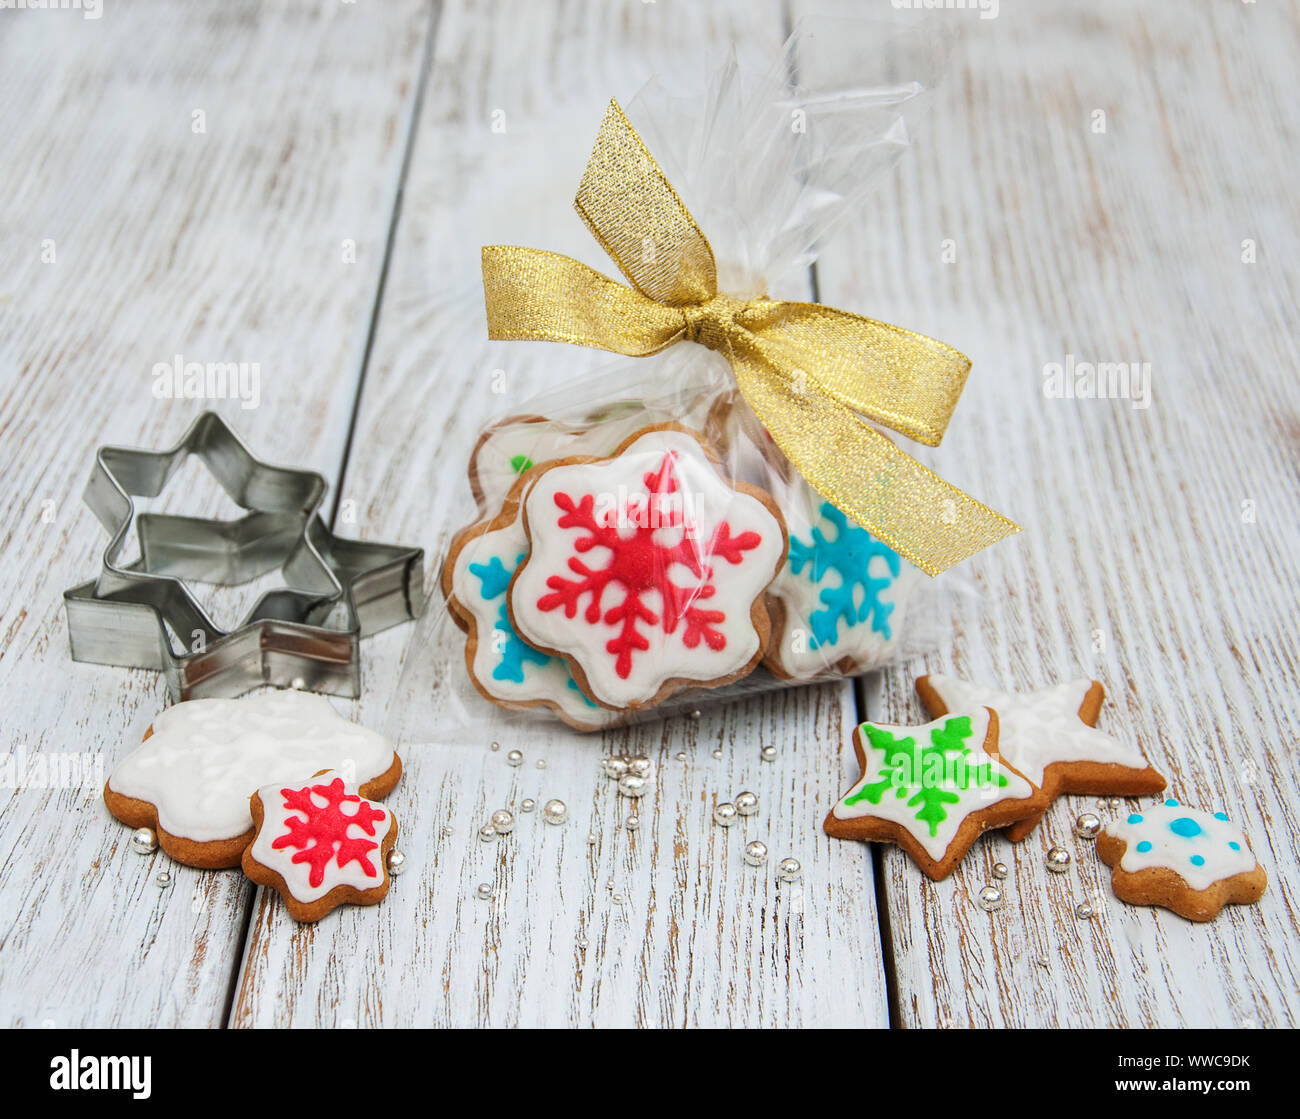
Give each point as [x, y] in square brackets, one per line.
[810, 373]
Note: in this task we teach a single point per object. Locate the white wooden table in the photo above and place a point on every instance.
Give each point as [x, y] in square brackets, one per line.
[183, 179]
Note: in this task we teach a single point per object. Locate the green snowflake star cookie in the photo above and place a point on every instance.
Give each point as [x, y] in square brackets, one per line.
[933, 789]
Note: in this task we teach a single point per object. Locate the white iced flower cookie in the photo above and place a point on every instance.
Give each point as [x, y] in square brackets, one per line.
[932, 789]
[191, 777]
[646, 570]
[1181, 858]
[503, 667]
[508, 448]
[839, 602]
[320, 844]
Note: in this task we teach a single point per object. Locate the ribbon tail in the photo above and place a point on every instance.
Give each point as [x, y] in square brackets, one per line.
[932, 524]
[532, 295]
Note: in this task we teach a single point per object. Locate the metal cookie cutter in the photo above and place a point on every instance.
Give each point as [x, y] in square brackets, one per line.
[307, 634]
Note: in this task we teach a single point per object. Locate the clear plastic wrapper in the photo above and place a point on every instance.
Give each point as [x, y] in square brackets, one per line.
[639, 546]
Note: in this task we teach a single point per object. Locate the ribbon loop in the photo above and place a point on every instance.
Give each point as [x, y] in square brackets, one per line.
[813, 375]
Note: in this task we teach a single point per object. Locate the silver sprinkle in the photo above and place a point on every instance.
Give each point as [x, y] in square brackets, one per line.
[484, 890]
[768, 753]
[515, 757]
[495, 746]
[396, 862]
[990, 899]
[632, 822]
[527, 804]
[163, 880]
[554, 811]
[746, 803]
[487, 833]
[755, 852]
[788, 869]
[503, 821]
[1000, 870]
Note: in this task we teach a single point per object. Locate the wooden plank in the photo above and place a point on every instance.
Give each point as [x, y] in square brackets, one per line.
[686, 934]
[1140, 563]
[221, 245]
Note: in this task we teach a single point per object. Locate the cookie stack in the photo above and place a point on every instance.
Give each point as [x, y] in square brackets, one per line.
[617, 563]
[278, 783]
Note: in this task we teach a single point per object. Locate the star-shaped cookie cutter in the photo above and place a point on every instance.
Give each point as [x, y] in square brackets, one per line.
[306, 634]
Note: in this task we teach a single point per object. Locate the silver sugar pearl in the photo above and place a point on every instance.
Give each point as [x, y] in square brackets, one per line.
[718, 754]
[1115, 802]
[1000, 870]
[1057, 860]
[1087, 826]
[503, 820]
[990, 899]
[696, 713]
[614, 767]
[1083, 911]
[641, 766]
[788, 869]
[163, 880]
[487, 833]
[396, 862]
[755, 852]
[746, 803]
[681, 755]
[143, 841]
[541, 763]
[768, 753]
[582, 942]
[554, 811]
[495, 746]
[515, 757]
[483, 890]
[725, 814]
[527, 804]
[632, 785]
[632, 822]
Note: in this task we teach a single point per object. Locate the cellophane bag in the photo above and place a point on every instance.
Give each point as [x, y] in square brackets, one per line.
[634, 545]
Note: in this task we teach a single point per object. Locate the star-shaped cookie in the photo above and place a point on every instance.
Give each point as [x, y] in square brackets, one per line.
[933, 789]
[1050, 736]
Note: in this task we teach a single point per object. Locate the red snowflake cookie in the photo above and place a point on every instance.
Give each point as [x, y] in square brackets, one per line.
[320, 844]
[645, 570]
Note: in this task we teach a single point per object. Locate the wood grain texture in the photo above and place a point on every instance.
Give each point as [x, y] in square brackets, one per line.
[1158, 554]
[220, 246]
[678, 930]
[1140, 564]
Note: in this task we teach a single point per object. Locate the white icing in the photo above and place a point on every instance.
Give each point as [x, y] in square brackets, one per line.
[799, 655]
[708, 502]
[206, 756]
[894, 807]
[1174, 851]
[542, 441]
[297, 875]
[550, 682]
[1041, 727]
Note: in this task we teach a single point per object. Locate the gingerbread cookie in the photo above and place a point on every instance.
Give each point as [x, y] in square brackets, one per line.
[1049, 735]
[646, 570]
[511, 446]
[503, 667]
[1181, 858]
[191, 777]
[838, 605]
[320, 844]
[932, 789]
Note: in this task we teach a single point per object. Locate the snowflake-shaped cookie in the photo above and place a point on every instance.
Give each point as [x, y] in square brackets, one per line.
[1181, 858]
[839, 597]
[502, 665]
[646, 569]
[320, 844]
